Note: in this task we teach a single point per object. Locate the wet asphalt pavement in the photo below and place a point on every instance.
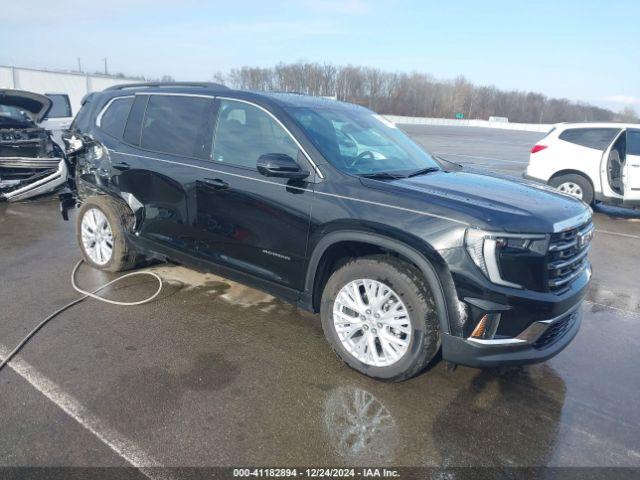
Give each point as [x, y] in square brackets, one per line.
[216, 374]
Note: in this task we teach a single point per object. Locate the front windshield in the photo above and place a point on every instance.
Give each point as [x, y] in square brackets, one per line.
[360, 142]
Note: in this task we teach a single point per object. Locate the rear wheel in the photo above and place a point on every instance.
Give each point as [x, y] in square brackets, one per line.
[574, 185]
[100, 231]
[379, 316]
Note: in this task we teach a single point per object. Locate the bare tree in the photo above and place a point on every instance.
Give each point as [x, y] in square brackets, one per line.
[415, 94]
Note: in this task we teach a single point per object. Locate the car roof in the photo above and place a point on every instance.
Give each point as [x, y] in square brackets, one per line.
[281, 99]
[565, 126]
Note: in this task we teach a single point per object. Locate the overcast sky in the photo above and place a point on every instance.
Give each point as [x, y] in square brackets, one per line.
[583, 50]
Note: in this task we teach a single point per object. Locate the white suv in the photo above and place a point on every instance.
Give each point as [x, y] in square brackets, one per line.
[591, 161]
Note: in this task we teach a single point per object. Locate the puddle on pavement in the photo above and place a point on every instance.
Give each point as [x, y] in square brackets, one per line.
[220, 287]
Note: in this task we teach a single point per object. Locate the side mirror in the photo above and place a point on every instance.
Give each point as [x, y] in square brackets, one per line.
[280, 165]
[73, 143]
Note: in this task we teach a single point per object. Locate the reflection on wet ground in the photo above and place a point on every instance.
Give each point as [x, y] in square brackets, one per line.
[215, 373]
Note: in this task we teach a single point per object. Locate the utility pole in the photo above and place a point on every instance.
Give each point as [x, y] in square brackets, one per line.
[79, 65]
[105, 66]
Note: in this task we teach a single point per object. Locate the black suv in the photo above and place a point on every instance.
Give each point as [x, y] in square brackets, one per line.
[330, 206]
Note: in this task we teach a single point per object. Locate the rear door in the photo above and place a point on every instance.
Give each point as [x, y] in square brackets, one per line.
[611, 167]
[252, 223]
[164, 134]
[631, 168]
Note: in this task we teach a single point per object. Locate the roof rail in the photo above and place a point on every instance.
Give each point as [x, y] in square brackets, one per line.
[124, 86]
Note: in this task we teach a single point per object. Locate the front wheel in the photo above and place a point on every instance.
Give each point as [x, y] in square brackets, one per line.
[379, 315]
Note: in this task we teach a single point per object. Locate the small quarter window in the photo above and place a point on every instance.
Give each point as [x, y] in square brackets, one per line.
[134, 122]
[115, 116]
[598, 138]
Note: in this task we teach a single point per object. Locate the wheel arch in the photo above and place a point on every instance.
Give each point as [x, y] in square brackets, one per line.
[322, 263]
[569, 171]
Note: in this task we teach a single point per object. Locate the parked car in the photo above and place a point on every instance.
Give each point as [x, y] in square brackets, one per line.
[330, 206]
[59, 116]
[595, 162]
[31, 162]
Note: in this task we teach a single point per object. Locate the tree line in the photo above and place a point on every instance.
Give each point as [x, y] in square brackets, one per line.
[416, 94]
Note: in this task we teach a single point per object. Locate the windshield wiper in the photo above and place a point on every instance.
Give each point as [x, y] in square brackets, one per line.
[422, 171]
[381, 175]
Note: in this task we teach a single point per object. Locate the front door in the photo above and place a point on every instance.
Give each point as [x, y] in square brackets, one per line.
[247, 221]
[631, 168]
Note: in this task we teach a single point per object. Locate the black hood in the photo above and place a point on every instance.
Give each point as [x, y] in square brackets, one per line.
[490, 202]
[34, 103]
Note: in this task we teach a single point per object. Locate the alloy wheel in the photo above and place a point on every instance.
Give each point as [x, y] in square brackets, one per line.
[372, 322]
[571, 188]
[97, 237]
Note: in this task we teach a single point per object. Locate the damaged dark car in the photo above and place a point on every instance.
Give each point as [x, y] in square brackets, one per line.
[31, 162]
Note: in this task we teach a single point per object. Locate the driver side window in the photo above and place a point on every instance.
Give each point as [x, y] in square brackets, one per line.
[245, 132]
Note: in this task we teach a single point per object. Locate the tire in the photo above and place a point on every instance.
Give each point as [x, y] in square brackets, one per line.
[120, 219]
[582, 182]
[411, 288]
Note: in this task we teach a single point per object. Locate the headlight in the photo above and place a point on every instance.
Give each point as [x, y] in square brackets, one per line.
[485, 248]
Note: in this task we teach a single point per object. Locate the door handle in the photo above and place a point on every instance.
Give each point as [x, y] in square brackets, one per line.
[121, 166]
[216, 183]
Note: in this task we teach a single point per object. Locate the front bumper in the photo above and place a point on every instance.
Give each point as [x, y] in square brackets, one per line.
[540, 341]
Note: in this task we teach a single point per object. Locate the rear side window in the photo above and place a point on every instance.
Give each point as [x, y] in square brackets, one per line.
[134, 122]
[633, 142]
[60, 105]
[598, 138]
[115, 116]
[177, 125]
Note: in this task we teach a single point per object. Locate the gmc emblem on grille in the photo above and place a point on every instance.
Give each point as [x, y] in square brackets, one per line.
[585, 238]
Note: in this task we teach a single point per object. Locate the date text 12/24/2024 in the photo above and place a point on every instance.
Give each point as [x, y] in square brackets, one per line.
[316, 472]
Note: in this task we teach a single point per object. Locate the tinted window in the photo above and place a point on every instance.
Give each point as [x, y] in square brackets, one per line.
[633, 142]
[598, 138]
[244, 133]
[60, 106]
[115, 116]
[177, 124]
[134, 122]
[82, 120]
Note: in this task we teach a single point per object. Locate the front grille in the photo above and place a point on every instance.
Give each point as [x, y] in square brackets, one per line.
[555, 331]
[567, 256]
